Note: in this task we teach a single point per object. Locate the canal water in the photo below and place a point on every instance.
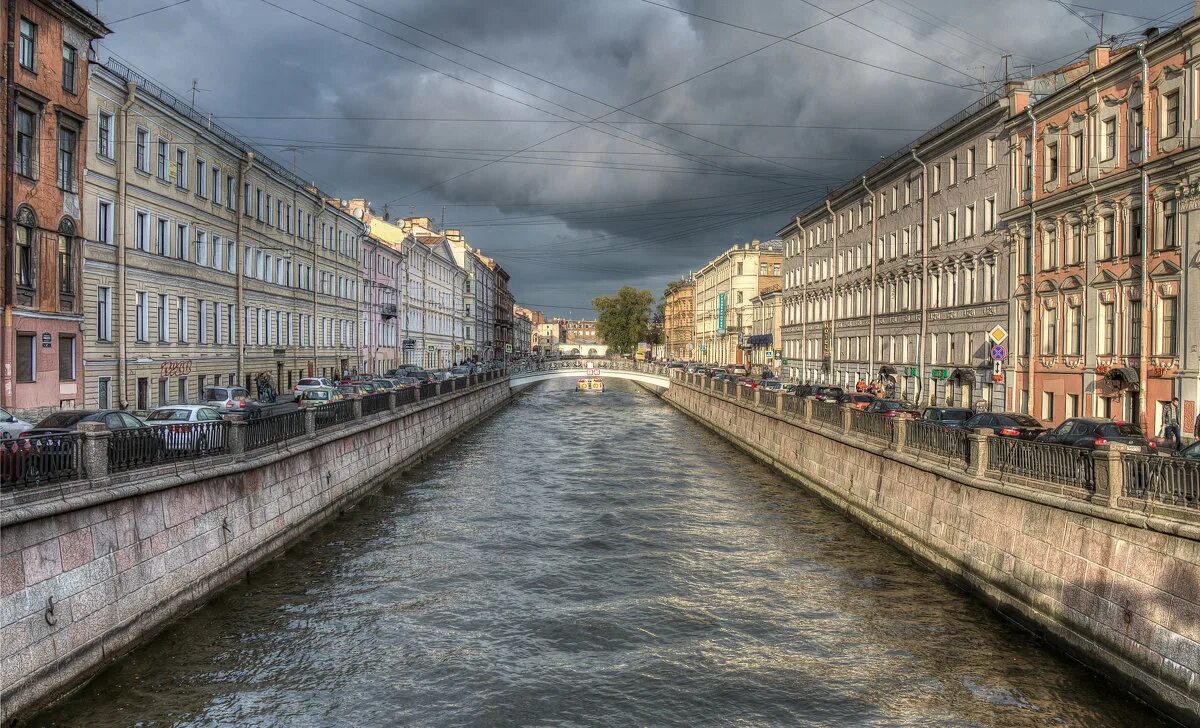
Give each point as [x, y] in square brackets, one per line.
[594, 560]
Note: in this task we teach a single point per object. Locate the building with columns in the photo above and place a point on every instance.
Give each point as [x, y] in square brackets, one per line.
[46, 102]
[1104, 218]
[205, 262]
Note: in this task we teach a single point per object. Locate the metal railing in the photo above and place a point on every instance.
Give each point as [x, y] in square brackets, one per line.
[333, 413]
[373, 404]
[792, 404]
[937, 440]
[744, 392]
[871, 424]
[446, 387]
[408, 395]
[1061, 464]
[277, 428]
[1161, 479]
[136, 447]
[191, 439]
[768, 397]
[30, 461]
[460, 383]
[827, 413]
[429, 390]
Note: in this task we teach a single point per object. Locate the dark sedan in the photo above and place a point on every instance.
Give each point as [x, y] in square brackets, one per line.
[892, 408]
[1089, 432]
[829, 394]
[946, 416]
[1007, 424]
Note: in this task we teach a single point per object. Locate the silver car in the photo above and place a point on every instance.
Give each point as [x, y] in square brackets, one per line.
[11, 426]
[181, 427]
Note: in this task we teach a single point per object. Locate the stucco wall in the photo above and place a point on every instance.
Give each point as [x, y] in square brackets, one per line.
[119, 564]
[1116, 588]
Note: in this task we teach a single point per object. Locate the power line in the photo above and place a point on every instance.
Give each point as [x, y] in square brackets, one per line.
[145, 12]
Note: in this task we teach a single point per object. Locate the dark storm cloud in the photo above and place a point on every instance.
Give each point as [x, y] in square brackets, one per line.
[531, 211]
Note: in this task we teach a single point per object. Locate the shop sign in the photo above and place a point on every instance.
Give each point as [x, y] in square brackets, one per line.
[912, 372]
[177, 368]
[940, 374]
[720, 313]
[410, 344]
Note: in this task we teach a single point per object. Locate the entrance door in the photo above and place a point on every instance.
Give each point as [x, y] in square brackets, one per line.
[143, 393]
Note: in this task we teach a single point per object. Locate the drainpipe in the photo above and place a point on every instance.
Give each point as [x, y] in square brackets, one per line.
[803, 304]
[10, 225]
[1030, 248]
[315, 330]
[1144, 357]
[871, 307]
[122, 199]
[832, 292]
[923, 242]
[244, 166]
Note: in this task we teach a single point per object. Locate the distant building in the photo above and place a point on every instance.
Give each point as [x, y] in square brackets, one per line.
[547, 336]
[764, 337]
[723, 290]
[679, 320]
[522, 333]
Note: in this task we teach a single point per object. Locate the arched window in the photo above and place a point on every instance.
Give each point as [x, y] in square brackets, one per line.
[66, 256]
[26, 233]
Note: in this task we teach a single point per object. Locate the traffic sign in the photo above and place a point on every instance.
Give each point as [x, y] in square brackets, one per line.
[997, 334]
[998, 352]
[997, 368]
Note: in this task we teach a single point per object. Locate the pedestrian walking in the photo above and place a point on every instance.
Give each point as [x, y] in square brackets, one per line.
[1171, 423]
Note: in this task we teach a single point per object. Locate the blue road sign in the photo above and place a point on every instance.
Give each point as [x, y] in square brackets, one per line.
[998, 352]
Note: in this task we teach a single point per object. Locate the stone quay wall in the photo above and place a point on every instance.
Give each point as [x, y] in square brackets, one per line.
[1114, 586]
[88, 574]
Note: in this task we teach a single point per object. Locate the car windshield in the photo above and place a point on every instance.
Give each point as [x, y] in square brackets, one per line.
[1123, 429]
[61, 419]
[316, 394]
[1192, 452]
[169, 415]
[1023, 420]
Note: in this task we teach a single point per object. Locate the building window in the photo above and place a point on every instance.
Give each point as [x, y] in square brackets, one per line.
[1168, 332]
[28, 47]
[937, 177]
[1170, 115]
[1108, 242]
[1075, 246]
[201, 178]
[953, 170]
[164, 322]
[1047, 406]
[142, 316]
[1049, 261]
[1136, 128]
[1108, 139]
[1108, 329]
[1073, 344]
[66, 158]
[104, 389]
[1077, 151]
[969, 221]
[68, 69]
[216, 186]
[26, 149]
[66, 265]
[181, 320]
[970, 162]
[103, 313]
[66, 357]
[181, 168]
[1052, 162]
[1049, 332]
[25, 256]
[142, 157]
[104, 138]
[1135, 231]
[26, 358]
[990, 153]
[1167, 241]
[989, 214]
[1135, 329]
[181, 241]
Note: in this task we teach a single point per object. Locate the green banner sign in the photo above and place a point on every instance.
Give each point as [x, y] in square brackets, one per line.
[720, 313]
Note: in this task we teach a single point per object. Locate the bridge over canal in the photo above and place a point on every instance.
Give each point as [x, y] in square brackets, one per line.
[653, 375]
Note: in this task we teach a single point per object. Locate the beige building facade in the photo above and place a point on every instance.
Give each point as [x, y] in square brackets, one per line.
[679, 320]
[205, 263]
[722, 295]
[765, 333]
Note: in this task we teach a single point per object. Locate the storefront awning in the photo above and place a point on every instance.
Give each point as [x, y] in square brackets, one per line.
[963, 376]
[1127, 376]
[887, 369]
[760, 340]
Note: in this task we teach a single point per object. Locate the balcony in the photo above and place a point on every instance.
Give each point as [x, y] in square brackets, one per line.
[387, 310]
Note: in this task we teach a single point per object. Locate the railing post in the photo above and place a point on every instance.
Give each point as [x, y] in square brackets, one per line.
[392, 400]
[899, 433]
[416, 394]
[847, 420]
[357, 400]
[757, 396]
[237, 436]
[1110, 475]
[806, 410]
[977, 450]
[779, 397]
[310, 420]
[93, 449]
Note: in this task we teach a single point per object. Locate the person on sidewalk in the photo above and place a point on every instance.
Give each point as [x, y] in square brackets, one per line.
[1171, 423]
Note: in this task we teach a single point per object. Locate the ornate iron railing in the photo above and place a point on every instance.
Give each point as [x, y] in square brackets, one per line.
[277, 428]
[827, 413]
[137, 447]
[429, 390]
[937, 440]
[182, 440]
[767, 398]
[1162, 479]
[333, 413]
[1062, 464]
[31, 461]
[871, 424]
[375, 403]
[408, 395]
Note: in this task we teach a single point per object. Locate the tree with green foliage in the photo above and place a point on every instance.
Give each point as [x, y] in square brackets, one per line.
[624, 319]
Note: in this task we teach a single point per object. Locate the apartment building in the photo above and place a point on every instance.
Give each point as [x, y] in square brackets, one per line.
[206, 262]
[766, 331]
[898, 276]
[522, 332]
[1104, 191]
[722, 293]
[547, 336]
[679, 321]
[535, 318]
[478, 298]
[46, 132]
[383, 287]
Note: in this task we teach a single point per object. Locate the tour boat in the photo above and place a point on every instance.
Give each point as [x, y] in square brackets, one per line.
[590, 384]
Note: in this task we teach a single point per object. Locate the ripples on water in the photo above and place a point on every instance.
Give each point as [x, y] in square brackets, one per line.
[587, 560]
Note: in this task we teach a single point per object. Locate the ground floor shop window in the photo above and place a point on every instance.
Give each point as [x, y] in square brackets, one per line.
[26, 357]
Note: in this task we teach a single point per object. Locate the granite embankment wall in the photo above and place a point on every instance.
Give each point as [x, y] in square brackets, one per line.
[1115, 587]
[88, 575]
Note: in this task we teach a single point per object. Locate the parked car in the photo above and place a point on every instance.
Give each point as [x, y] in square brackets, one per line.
[351, 390]
[310, 383]
[407, 382]
[382, 385]
[145, 441]
[1089, 432]
[460, 371]
[422, 376]
[180, 427]
[829, 394]
[747, 382]
[946, 416]
[1191, 452]
[892, 408]
[856, 400]
[1007, 424]
[11, 425]
[231, 401]
[771, 385]
[738, 370]
[320, 395]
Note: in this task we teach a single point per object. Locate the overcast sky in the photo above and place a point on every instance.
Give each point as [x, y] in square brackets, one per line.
[485, 108]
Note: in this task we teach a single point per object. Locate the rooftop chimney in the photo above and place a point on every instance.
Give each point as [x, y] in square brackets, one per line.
[1018, 98]
[1098, 57]
[1150, 32]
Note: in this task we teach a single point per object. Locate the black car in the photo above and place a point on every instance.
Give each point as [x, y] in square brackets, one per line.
[133, 441]
[946, 416]
[892, 408]
[69, 420]
[829, 394]
[423, 377]
[1089, 432]
[1191, 452]
[1007, 424]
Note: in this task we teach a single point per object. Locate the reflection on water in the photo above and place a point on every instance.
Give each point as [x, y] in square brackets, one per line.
[593, 559]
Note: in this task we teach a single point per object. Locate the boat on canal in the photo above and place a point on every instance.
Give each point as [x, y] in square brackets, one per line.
[590, 384]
